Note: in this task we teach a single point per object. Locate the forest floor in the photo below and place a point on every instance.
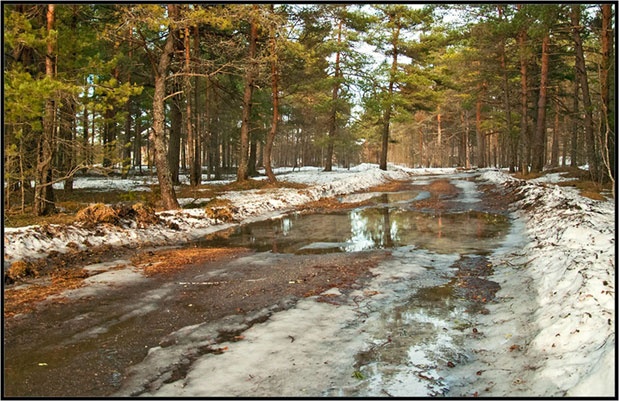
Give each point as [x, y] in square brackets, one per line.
[558, 340]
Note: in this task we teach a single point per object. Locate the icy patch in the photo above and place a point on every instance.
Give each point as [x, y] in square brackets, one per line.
[101, 282]
[105, 266]
[323, 247]
[469, 194]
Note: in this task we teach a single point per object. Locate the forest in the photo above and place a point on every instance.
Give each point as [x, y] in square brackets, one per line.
[213, 90]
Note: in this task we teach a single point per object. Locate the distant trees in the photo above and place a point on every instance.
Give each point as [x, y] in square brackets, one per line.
[536, 89]
[233, 87]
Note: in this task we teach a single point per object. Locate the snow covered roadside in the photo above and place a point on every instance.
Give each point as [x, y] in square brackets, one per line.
[35, 242]
[552, 333]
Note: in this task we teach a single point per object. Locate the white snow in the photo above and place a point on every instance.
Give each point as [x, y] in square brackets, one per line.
[552, 331]
[562, 256]
[32, 242]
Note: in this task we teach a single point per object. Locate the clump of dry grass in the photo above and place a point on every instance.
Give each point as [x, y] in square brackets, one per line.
[220, 210]
[97, 213]
[19, 270]
[143, 215]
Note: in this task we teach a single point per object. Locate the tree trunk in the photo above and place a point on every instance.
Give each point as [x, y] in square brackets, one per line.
[137, 146]
[608, 111]
[524, 119]
[575, 126]
[334, 100]
[481, 138]
[510, 140]
[253, 156]
[250, 72]
[174, 142]
[463, 153]
[200, 114]
[44, 191]
[110, 129]
[168, 196]
[126, 151]
[193, 143]
[127, 142]
[539, 139]
[554, 153]
[389, 105]
[268, 147]
[581, 76]
[439, 139]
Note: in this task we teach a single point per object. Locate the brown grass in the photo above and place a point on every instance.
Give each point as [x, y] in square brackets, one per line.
[442, 187]
[18, 219]
[527, 176]
[19, 270]
[97, 214]
[24, 300]
[390, 186]
[174, 259]
[220, 210]
[328, 204]
[144, 215]
[582, 182]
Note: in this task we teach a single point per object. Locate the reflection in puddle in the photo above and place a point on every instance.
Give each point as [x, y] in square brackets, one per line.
[370, 228]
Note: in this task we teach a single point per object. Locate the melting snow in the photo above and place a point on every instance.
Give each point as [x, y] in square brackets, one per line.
[551, 334]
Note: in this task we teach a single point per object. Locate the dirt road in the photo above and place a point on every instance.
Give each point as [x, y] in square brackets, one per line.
[82, 343]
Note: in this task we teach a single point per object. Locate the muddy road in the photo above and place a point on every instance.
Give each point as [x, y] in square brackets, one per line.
[375, 298]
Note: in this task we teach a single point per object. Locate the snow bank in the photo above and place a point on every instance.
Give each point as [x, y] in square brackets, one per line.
[35, 242]
[568, 264]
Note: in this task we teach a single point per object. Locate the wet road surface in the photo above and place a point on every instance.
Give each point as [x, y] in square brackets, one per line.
[83, 344]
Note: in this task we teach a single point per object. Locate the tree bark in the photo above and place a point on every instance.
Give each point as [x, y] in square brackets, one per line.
[554, 154]
[608, 114]
[481, 139]
[525, 149]
[389, 105]
[575, 126]
[44, 191]
[268, 147]
[581, 76]
[168, 196]
[174, 142]
[193, 143]
[539, 139]
[510, 140]
[250, 72]
[334, 100]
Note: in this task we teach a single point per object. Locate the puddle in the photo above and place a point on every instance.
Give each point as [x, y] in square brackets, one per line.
[370, 228]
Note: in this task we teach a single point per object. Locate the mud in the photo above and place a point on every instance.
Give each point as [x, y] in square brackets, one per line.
[82, 348]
